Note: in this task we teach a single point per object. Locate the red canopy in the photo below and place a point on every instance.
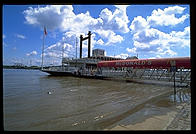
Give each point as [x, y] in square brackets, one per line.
[183, 62]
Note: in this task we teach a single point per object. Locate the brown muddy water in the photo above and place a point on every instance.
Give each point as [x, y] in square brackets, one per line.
[32, 100]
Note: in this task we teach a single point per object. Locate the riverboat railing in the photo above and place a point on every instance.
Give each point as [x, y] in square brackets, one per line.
[181, 75]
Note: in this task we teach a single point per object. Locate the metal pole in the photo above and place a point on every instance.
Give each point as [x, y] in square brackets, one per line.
[62, 54]
[76, 51]
[81, 46]
[174, 82]
[89, 43]
[174, 87]
[43, 50]
[76, 47]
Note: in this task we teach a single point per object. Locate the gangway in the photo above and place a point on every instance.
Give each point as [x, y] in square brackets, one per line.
[163, 69]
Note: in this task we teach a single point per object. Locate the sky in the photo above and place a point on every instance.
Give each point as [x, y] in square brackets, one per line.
[149, 31]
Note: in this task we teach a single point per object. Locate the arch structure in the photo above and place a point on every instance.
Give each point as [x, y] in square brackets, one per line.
[89, 43]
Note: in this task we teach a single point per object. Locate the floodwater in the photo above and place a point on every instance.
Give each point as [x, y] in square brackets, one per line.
[32, 100]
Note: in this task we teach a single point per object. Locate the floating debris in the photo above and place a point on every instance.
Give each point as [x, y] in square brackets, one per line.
[75, 124]
[73, 90]
[96, 118]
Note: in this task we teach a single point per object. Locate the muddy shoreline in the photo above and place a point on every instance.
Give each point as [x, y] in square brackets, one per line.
[177, 118]
[182, 120]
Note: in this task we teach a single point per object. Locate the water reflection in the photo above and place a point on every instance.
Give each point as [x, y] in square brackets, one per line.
[182, 95]
[70, 103]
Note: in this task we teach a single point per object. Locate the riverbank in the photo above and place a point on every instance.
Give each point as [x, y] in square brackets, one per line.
[22, 67]
[179, 119]
[182, 120]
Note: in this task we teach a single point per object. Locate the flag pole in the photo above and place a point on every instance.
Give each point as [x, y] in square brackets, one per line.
[43, 48]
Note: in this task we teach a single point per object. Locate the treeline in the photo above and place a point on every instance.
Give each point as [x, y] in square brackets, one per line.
[20, 67]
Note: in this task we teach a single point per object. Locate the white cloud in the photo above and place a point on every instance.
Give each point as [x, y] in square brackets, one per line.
[50, 16]
[114, 39]
[155, 57]
[106, 15]
[80, 23]
[20, 36]
[174, 10]
[100, 42]
[5, 44]
[108, 26]
[131, 50]
[168, 52]
[154, 41]
[167, 16]
[52, 54]
[181, 39]
[122, 7]
[64, 19]
[122, 55]
[4, 36]
[146, 35]
[31, 53]
[110, 36]
[56, 50]
[138, 24]
[116, 21]
[68, 42]
[150, 40]
[34, 52]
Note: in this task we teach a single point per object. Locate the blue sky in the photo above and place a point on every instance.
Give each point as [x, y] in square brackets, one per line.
[151, 31]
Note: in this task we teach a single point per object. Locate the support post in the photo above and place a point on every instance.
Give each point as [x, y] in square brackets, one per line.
[76, 47]
[62, 54]
[89, 43]
[174, 82]
[152, 73]
[81, 46]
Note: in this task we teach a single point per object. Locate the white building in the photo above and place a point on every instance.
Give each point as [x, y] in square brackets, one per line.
[98, 52]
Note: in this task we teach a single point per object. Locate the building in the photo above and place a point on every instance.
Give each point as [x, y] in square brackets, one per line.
[132, 57]
[98, 52]
[19, 65]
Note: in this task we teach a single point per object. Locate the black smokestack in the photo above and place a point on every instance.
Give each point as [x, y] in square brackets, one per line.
[81, 46]
[89, 43]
